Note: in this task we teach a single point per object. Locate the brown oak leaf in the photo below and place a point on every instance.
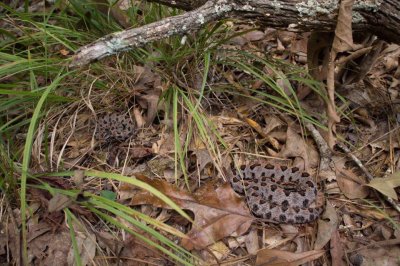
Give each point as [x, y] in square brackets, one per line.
[219, 212]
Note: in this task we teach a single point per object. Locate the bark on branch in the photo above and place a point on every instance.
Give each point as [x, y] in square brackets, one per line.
[381, 17]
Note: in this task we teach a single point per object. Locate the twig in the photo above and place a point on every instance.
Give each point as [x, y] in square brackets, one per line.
[324, 150]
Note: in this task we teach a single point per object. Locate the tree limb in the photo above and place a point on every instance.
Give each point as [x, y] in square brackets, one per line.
[129, 39]
[379, 17]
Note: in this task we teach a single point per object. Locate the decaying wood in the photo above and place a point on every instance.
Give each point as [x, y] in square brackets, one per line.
[381, 17]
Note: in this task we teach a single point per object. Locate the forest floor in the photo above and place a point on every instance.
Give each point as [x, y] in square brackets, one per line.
[191, 109]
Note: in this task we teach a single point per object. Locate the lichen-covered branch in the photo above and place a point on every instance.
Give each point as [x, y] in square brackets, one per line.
[129, 39]
[381, 17]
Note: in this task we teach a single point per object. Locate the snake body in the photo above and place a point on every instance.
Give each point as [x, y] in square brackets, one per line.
[277, 193]
[273, 192]
[115, 127]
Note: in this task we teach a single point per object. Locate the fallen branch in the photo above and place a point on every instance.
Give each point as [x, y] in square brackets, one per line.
[380, 17]
[129, 39]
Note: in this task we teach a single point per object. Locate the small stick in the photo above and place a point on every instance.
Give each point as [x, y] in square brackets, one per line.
[324, 150]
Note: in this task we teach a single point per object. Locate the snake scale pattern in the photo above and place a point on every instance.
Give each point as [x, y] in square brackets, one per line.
[277, 193]
[115, 127]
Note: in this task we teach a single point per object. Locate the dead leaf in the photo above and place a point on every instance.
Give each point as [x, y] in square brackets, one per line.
[203, 158]
[218, 210]
[86, 245]
[327, 224]
[150, 86]
[137, 152]
[3, 241]
[274, 257]
[152, 107]
[350, 184]
[371, 213]
[109, 241]
[318, 48]
[160, 165]
[343, 40]
[275, 239]
[252, 242]
[59, 202]
[46, 247]
[272, 122]
[260, 131]
[143, 253]
[219, 251]
[386, 185]
[333, 117]
[295, 147]
[280, 46]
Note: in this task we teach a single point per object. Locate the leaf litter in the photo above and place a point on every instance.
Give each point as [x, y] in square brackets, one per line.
[356, 226]
[218, 211]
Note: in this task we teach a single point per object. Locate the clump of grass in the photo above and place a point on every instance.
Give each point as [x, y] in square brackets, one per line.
[35, 82]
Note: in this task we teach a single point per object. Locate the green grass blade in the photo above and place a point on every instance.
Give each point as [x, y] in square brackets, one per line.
[143, 185]
[77, 256]
[26, 160]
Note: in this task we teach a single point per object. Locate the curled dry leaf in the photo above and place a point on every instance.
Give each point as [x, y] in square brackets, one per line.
[295, 147]
[203, 158]
[78, 178]
[386, 185]
[59, 202]
[218, 210]
[274, 257]
[350, 184]
[327, 224]
[343, 40]
[152, 106]
[273, 123]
